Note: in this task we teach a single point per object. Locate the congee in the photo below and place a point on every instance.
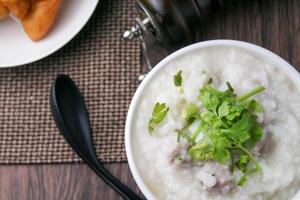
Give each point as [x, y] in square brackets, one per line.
[219, 123]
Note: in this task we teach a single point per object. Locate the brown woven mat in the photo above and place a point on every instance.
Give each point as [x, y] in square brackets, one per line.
[103, 66]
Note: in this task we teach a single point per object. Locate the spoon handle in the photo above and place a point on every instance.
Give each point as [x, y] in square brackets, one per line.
[82, 146]
[93, 162]
[88, 155]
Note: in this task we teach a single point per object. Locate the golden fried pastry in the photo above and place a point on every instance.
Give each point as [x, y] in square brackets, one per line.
[19, 8]
[40, 18]
[3, 11]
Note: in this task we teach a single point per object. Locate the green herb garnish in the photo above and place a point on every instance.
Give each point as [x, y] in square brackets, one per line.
[230, 128]
[178, 79]
[159, 113]
[190, 112]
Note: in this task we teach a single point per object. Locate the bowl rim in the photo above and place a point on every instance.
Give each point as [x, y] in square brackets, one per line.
[279, 62]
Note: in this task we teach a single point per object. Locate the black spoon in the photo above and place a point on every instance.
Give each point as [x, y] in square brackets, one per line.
[72, 119]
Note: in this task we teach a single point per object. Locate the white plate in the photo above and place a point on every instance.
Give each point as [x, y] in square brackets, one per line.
[17, 49]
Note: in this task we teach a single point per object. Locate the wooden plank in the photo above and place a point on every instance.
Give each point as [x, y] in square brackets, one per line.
[273, 24]
[59, 181]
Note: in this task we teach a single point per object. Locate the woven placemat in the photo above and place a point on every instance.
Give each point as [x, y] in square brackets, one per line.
[104, 67]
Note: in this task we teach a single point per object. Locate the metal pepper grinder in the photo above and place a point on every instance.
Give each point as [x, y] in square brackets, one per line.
[169, 24]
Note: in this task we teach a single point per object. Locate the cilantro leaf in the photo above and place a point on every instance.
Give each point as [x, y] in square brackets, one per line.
[255, 106]
[190, 112]
[202, 151]
[221, 155]
[159, 113]
[255, 135]
[178, 79]
[223, 109]
[221, 141]
[243, 162]
[235, 112]
[207, 116]
[221, 145]
[212, 121]
[240, 131]
[212, 98]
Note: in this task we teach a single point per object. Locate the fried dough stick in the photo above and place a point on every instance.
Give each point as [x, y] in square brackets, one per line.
[40, 18]
[3, 11]
[19, 8]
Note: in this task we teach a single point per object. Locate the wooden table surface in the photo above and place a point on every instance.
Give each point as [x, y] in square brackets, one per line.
[273, 24]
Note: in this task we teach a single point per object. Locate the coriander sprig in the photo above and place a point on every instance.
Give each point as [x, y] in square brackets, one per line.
[159, 113]
[230, 129]
[178, 81]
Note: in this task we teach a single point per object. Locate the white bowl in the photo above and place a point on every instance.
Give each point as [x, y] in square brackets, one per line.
[254, 49]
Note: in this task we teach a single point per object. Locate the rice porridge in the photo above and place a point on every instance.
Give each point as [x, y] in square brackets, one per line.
[276, 152]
